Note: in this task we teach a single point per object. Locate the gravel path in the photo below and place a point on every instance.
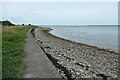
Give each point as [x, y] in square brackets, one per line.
[75, 60]
[37, 65]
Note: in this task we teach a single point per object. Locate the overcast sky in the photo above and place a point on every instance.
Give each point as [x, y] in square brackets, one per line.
[61, 13]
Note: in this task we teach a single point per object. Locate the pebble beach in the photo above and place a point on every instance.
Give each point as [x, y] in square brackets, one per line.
[76, 60]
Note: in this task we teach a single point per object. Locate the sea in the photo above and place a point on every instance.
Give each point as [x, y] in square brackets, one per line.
[102, 36]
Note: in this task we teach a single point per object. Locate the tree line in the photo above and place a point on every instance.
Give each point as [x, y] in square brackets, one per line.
[6, 23]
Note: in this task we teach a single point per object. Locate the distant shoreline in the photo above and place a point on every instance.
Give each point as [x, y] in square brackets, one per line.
[76, 25]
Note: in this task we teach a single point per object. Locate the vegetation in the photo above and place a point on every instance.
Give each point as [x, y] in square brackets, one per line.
[0, 52]
[12, 51]
[7, 23]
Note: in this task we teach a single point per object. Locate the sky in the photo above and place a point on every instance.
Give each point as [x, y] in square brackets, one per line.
[61, 13]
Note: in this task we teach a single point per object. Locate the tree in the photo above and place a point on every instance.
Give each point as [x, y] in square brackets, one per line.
[23, 24]
[29, 24]
[7, 23]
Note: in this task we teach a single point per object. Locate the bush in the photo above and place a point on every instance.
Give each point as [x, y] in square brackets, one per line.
[7, 23]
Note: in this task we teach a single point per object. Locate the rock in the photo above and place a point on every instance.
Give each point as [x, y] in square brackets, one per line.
[77, 73]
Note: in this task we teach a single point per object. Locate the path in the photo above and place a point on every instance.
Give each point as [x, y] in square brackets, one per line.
[37, 65]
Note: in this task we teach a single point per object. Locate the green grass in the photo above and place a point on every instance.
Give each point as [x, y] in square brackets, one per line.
[13, 39]
[0, 52]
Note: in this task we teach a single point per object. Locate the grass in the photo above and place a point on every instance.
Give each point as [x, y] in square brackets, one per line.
[0, 53]
[13, 39]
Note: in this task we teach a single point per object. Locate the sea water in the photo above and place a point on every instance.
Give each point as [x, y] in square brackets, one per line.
[104, 36]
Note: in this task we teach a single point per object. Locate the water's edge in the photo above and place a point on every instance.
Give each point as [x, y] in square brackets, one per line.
[110, 50]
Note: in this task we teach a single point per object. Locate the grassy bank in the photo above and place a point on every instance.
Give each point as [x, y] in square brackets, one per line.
[13, 39]
[0, 52]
